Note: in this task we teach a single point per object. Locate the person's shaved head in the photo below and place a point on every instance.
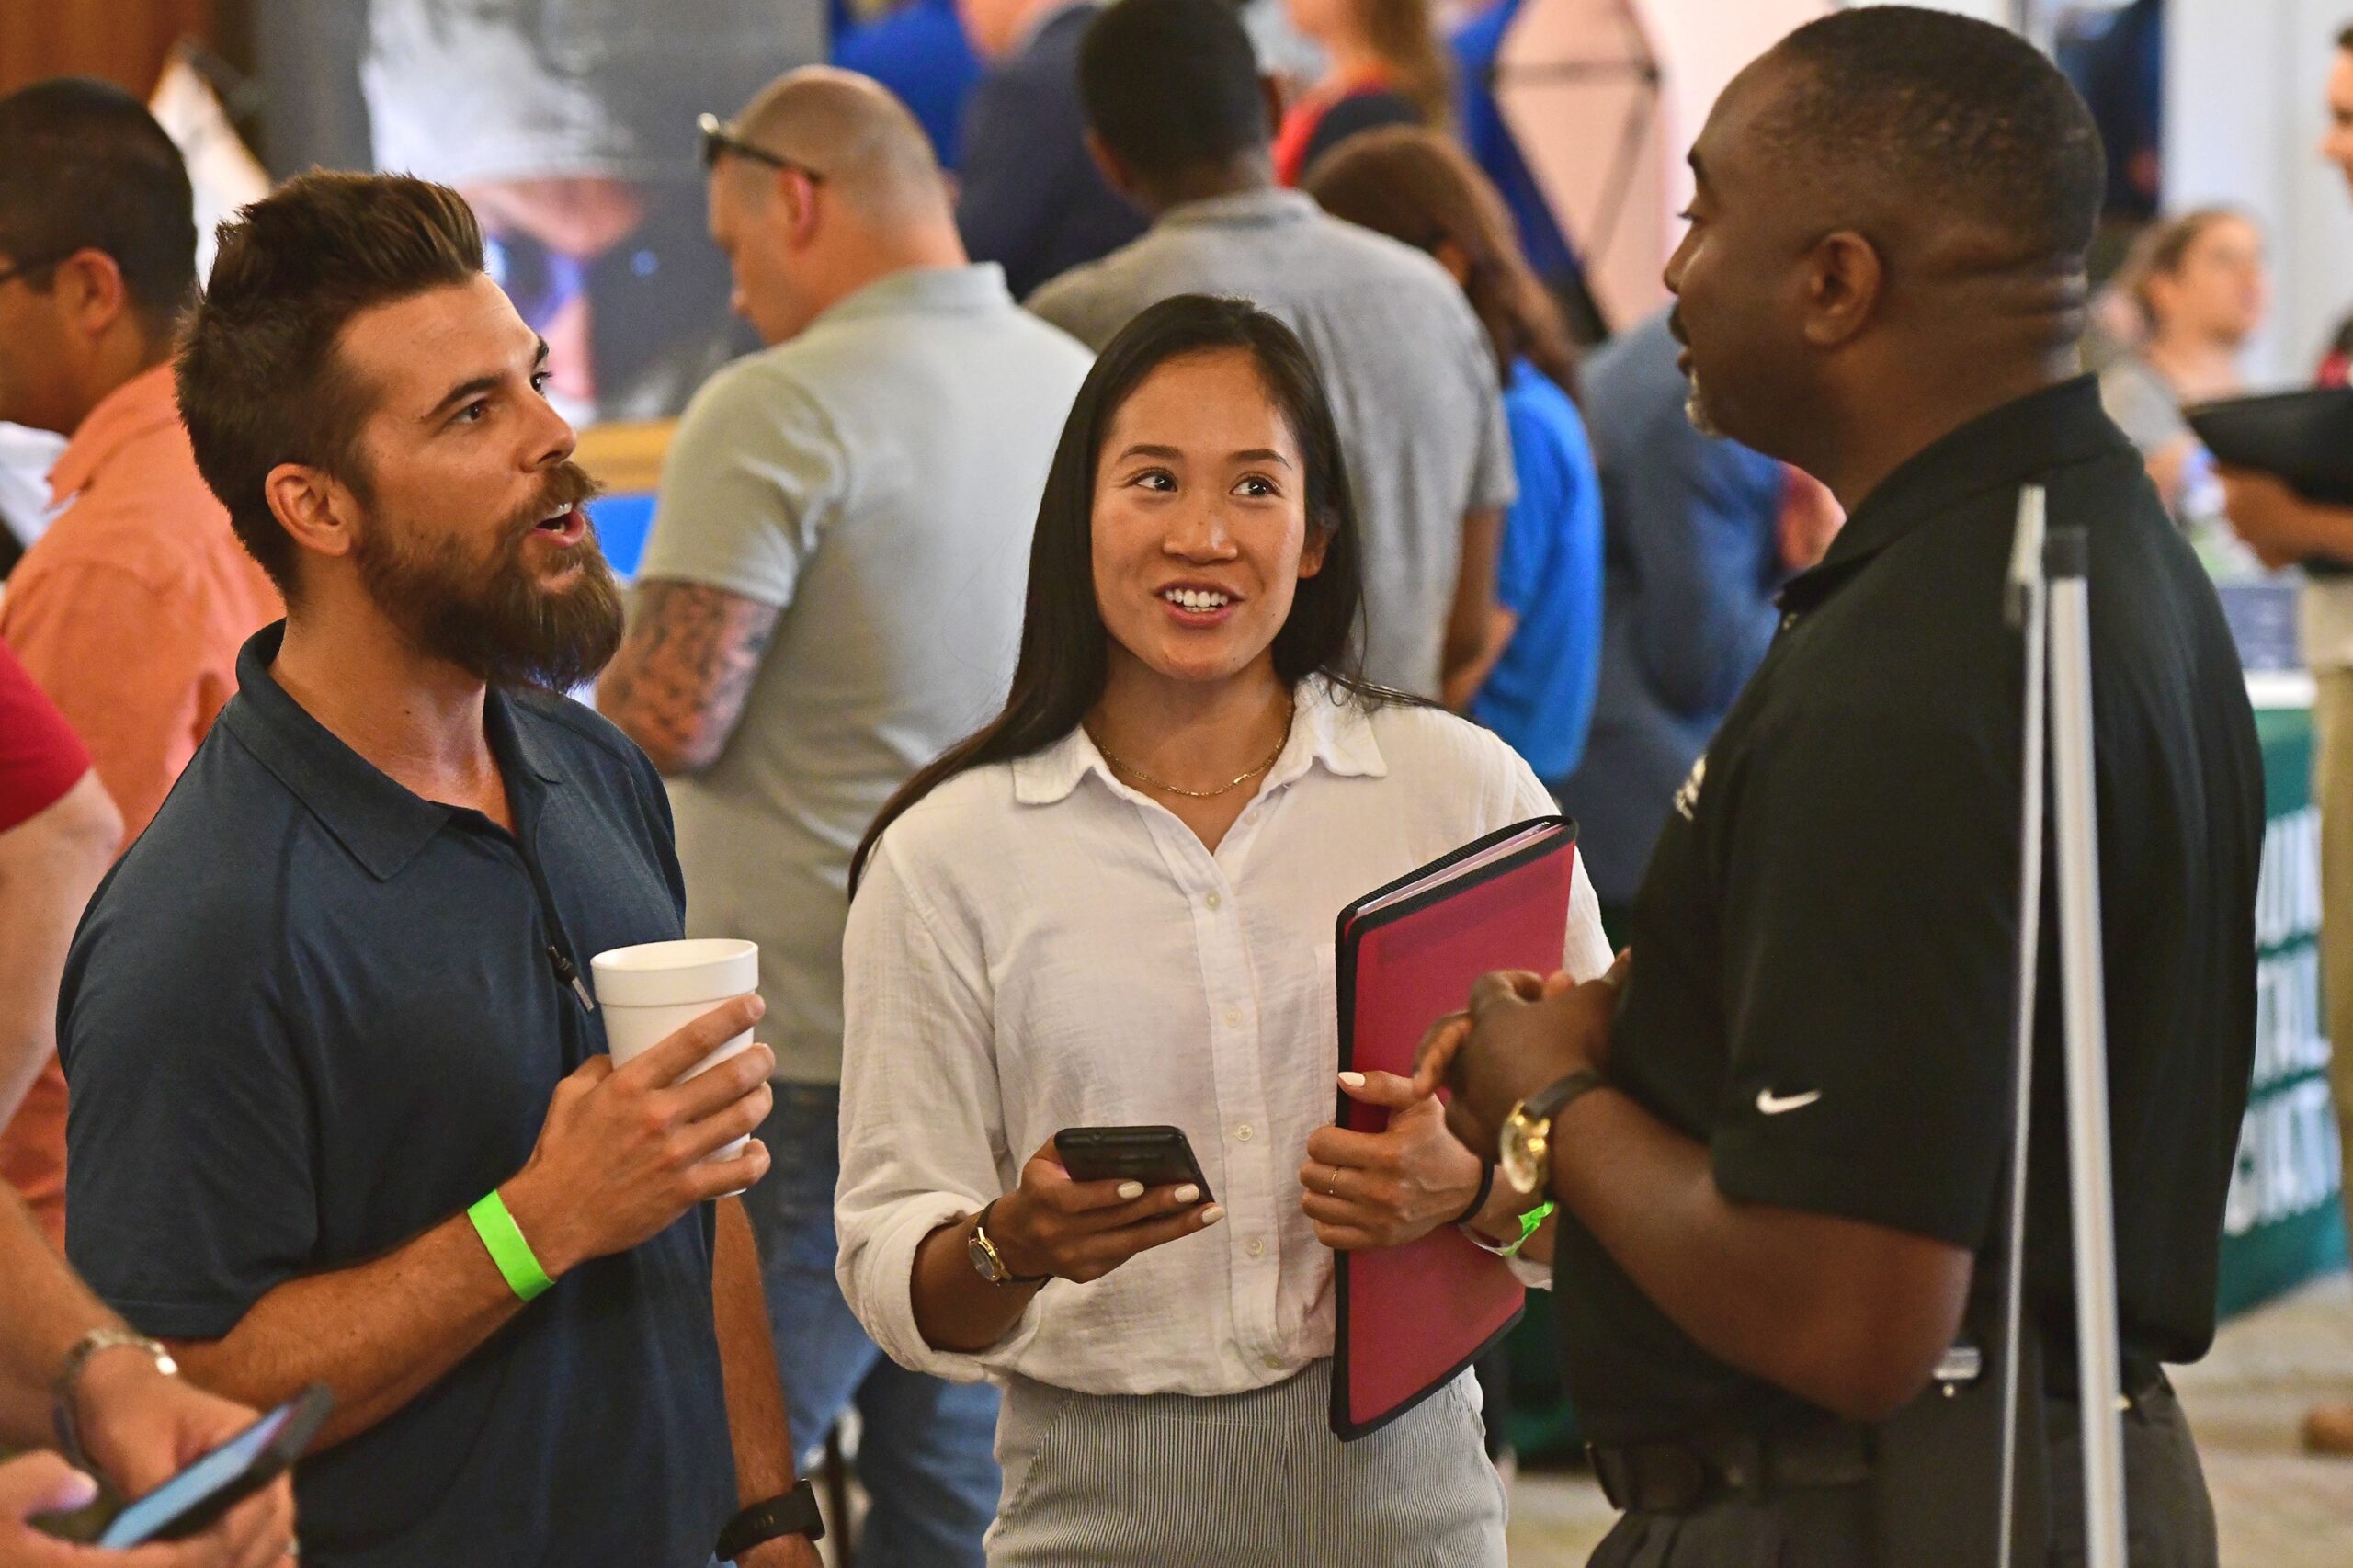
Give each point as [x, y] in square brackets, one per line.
[1892, 208]
[826, 183]
[1899, 109]
[862, 140]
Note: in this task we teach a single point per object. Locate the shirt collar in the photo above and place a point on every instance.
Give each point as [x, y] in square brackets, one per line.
[146, 402]
[1997, 450]
[1329, 726]
[1245, 208]
[925, 291]
[378, 820]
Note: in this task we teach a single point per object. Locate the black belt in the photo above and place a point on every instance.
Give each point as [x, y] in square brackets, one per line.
[1676, 1477]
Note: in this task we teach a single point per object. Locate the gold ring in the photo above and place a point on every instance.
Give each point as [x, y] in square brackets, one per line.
[1334, 1190]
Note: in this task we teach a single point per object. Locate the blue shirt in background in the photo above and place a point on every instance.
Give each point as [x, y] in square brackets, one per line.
[1691, 561]
[1030, 198]
[920, 53]
[1489, 140]
[1538, 698]
[310, 1014]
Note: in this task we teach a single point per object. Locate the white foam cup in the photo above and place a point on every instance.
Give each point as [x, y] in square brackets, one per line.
[650, 991]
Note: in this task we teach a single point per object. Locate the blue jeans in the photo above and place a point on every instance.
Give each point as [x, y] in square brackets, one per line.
[927, 1452]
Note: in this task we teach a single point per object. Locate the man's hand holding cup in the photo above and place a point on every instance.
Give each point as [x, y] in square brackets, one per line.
[625, 1149]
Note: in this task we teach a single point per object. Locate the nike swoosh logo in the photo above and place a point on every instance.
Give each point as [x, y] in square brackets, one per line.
[1772, 1103]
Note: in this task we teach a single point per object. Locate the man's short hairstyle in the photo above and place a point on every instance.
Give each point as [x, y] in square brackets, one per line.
[84, 167]
[1170, 86]
[2345, 36]
[260, 381]
[1946, 113]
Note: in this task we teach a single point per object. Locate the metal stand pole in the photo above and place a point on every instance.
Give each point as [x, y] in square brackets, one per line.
[2049, 602]
[2027, 605]
[2066, 558]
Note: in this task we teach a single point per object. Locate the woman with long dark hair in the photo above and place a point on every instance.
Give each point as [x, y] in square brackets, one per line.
[1113, 905]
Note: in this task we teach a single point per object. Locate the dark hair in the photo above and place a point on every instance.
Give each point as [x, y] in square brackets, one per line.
[1065, 649]
[2345, 36]
[1947, 112]
[260, 382]
[1418, 186]
[84, 167]
[1172, 85]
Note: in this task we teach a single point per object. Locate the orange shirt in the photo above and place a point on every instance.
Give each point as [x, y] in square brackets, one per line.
[129, 613]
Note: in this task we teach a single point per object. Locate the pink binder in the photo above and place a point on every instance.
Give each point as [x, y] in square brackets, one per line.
[1411, 1318]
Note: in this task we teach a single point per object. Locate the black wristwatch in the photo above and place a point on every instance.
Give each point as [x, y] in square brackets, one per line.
[795, 1513]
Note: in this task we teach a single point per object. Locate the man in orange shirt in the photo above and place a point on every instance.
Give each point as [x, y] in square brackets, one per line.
[130, 610]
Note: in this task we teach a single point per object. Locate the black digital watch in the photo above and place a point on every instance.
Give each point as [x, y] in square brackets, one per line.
[794, 1513]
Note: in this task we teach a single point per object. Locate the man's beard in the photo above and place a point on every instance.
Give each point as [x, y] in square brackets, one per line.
[1694, 409]
[495, 618]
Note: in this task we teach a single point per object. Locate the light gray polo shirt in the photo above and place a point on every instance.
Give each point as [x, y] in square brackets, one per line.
[1410, 373]
[877, 477]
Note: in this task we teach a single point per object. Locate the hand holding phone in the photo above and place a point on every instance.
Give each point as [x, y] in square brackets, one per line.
[204, 1491]
[1078, 1227]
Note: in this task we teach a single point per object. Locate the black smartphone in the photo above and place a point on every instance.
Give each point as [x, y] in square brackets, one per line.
[197, 1496]
[1156, 1157]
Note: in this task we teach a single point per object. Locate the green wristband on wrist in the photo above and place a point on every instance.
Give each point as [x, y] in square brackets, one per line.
[1529, 1223]
[503, 1240]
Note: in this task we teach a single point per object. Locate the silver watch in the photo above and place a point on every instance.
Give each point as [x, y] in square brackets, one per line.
[64, 1391]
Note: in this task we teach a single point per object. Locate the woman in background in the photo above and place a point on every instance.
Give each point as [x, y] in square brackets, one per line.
[1386, 67]
[2202, 287]
[1535, 685]
[1114, 905]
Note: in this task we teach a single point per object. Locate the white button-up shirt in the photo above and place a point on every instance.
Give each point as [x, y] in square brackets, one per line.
[1037, 946]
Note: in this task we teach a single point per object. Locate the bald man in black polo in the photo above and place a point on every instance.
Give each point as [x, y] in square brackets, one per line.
[1779, 1153]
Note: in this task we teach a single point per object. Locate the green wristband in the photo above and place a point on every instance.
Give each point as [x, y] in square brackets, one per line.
[1529, 1223]
[503, 1239]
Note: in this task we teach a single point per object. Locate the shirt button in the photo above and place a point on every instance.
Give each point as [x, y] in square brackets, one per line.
[1234, 1017]
[1257, 1248]
[1243, 1133]
[1216, 900]
[1789, 620]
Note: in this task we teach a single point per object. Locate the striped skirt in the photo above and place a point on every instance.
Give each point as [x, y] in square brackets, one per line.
[1172, 1481]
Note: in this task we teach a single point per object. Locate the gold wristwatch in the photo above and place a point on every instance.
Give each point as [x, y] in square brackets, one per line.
[1525, 1147]
[988, 1263]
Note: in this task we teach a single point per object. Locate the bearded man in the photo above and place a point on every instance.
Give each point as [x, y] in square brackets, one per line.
[341, 1109]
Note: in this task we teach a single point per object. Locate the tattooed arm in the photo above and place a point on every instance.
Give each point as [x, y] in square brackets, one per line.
[678, 683]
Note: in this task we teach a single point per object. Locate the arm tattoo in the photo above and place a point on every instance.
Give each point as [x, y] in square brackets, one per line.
[677, 685]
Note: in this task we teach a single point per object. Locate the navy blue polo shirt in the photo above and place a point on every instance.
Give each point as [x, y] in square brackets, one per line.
[310, 1014]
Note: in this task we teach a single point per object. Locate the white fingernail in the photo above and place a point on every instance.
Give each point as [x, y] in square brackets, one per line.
[1213, 1214]
[1353, 1080]
[1131, 1189]
[1186, 1193]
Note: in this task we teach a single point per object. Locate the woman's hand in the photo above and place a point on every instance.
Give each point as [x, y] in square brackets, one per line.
[1384, 1189]
[1083, 1230]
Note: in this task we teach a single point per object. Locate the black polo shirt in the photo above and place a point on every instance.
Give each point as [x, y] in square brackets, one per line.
[310, 1014]
[1824, 981]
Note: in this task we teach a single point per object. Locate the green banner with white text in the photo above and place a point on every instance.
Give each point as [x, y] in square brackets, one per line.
[2284, 1222]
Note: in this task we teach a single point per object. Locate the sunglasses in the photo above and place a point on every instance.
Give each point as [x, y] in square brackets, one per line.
[719, 138]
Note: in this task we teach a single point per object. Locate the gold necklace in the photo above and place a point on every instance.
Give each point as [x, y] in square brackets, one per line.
[1122, 765]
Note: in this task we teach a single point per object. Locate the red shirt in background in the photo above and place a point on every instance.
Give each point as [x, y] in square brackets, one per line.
[39, 758]
[40, 761]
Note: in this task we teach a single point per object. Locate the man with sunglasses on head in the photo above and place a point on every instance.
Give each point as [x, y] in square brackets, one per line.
[831, 597]
[129, 610]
